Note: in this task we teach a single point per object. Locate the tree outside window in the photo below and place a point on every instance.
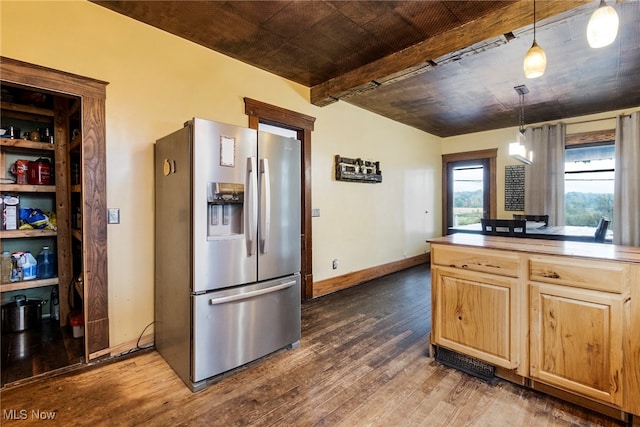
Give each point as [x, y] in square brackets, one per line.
[589, 184]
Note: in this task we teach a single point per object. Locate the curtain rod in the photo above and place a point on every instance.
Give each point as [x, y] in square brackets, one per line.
[598, 120]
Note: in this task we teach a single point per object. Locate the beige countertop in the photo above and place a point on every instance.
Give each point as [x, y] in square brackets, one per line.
[601, 251]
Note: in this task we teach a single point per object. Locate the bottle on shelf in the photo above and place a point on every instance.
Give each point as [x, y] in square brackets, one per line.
[5, 267]
[55, 304]
[46, 264]
[16, 267]
[28, 263]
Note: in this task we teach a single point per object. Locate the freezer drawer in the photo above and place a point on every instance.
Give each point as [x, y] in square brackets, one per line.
[236, 326]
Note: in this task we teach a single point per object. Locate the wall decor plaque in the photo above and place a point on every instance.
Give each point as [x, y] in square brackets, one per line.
[514, 188]
[357, 170]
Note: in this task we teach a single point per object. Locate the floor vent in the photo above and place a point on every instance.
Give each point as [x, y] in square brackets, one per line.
[466, 364]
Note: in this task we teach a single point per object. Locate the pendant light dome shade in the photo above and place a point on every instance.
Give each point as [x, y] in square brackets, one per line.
[535, 61]
[602, 28]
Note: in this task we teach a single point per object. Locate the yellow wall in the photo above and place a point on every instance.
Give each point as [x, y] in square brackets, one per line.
[157, 81]
[501, 138]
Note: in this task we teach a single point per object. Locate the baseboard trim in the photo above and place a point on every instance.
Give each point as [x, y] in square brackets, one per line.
[333, 284]
[125, 347]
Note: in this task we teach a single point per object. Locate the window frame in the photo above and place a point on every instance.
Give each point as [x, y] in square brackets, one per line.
[589, 139]
[491, 156]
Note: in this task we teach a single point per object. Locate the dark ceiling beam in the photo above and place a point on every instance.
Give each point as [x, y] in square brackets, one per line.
[419, 58]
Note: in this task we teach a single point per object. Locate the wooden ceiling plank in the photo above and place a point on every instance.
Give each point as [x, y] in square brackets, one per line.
[411, 60]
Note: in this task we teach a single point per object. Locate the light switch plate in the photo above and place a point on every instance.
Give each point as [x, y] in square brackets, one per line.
[315, 212]
[113, 216]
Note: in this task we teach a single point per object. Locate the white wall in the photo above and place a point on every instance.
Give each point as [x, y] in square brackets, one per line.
[157, 81]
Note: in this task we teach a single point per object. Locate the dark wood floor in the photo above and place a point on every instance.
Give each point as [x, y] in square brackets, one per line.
[362, 361]
[39, 350]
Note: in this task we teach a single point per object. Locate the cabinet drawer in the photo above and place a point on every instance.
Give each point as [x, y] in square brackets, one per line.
[485, 260]
[583, 273]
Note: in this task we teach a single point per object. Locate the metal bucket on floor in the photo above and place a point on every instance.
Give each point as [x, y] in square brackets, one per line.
[21, 314]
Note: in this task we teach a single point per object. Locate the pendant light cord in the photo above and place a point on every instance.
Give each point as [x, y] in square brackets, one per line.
[522, 113]
[534, 21]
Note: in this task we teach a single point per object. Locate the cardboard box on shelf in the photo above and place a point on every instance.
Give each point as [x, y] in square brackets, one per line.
[10, 212]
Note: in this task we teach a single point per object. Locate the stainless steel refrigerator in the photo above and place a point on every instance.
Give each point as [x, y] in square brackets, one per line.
[227, 248]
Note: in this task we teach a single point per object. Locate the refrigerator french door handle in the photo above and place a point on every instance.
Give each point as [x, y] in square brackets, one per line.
[266, 193]
[252, 217]
[247, 295]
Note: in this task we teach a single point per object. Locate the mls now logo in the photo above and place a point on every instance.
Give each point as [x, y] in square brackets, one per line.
[23, 414]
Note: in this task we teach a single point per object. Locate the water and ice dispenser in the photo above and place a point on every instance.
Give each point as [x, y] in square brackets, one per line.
[225, 203]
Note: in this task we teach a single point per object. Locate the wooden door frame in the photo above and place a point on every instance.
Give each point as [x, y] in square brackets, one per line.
[92, 93]
[260, 112]
[488, 154]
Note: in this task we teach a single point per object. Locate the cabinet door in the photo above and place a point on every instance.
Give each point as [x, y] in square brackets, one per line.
[476, 314]
[576, 340]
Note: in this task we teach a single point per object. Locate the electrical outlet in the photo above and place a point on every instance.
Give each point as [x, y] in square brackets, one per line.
[335, 264]
[113, 216]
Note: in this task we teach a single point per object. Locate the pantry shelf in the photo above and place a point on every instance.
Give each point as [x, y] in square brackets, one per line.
[27, 109]
[17, 234]
[28, 284]
[25, 188]
[17, 145]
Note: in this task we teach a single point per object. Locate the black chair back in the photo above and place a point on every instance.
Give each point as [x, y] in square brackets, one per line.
[504, 227]
[601, 230]
[534, 218]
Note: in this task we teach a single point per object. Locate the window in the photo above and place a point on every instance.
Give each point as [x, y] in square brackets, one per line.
[589, 183]
[468, 194]
[468, 188]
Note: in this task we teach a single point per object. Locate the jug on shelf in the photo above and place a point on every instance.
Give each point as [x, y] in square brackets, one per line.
[46, 264]
[28, 264]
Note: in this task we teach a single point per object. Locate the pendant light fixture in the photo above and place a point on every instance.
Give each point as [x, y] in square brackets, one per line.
[517, 149]
[535, 61]
[603, 26]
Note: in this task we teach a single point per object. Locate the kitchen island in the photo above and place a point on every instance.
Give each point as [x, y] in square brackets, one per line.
[560, 317]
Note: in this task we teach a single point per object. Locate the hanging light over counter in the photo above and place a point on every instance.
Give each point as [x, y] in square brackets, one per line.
[535, 61]
[517, 149]
[602, 28]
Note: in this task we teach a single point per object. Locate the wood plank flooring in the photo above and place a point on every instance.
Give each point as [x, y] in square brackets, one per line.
[39, 350]
[362, 362]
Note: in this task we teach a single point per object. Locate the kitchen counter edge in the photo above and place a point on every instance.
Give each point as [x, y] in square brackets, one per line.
[594, 250]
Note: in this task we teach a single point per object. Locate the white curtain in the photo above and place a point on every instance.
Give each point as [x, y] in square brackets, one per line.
[626, 203]
[544, 177]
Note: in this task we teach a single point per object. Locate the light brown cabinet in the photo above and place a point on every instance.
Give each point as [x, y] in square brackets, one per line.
[576, 324]
[555, 317]
[464, 324]
[576, 340]
[466, 283]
